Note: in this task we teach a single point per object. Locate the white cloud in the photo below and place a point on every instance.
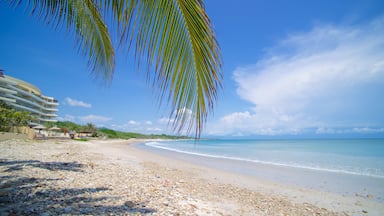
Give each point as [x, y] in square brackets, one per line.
[98, 120]
[184, 111]
[139, 127]
[261, 123]
[363, 130]
[326, 78]
[67, 118]
[131, 122]
[165, 121]
[169, 121]
[154, 130]
[368, 130]
[94, 119]
[77, 103]
[322, 130]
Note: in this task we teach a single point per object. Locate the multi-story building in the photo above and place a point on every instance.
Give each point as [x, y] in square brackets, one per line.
[27, 97]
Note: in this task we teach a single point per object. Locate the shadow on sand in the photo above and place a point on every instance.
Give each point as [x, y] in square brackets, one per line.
[52, 166]
[21, 195]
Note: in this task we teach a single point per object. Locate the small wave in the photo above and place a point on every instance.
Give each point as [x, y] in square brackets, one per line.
[153, 144]
[158, 145]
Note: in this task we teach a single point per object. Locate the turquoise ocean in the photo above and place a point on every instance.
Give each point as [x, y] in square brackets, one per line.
[336, 165]
[350, 156]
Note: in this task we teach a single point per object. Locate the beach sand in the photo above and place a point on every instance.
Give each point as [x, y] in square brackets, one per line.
[113, 177]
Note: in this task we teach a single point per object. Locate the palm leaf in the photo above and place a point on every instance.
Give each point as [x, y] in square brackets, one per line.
[85, 19]
[175, 44]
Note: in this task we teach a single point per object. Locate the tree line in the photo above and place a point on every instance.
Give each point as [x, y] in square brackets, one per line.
[9, 117]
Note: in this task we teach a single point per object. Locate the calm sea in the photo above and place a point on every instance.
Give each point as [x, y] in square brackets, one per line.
[359, 157]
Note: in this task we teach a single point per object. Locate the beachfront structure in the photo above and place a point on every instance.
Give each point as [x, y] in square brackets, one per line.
[27, 97]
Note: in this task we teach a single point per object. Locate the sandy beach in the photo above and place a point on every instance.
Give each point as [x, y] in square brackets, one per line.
[113, 177]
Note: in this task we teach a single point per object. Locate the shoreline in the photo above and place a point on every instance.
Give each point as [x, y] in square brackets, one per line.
[115, 176]
[344, 184]
[222, 170]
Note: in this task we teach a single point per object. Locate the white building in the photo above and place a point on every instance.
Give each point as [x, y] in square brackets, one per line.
[27, 97]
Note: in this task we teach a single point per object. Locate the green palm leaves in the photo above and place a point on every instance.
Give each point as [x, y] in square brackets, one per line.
[84, 19]
[173, 42]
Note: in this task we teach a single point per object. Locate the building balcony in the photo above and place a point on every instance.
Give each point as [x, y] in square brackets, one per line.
[36, 97]
[50, 115]
[51, 109]
[29, 109]
[10, 100]
[33, 103]
[9, 91]
[48, 120]
[27, 97]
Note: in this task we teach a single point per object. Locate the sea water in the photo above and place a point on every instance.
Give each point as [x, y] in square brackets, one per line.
[354, 166]
[350, 156]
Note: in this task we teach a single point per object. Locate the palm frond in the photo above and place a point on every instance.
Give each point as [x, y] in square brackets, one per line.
[85, 19]
[175, 40]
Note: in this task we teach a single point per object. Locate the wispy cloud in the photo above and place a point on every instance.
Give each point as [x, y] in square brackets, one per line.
[131, 122]
[329, 77]
[77, 103]
[67, 118]
[165, 121]
[139, 126]
[94, 119]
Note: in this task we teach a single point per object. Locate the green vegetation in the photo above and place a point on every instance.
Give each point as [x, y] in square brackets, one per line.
[70, 126]
[127, 135]
[173, 43]
[105, 132]
[81, 139]
[10, 117]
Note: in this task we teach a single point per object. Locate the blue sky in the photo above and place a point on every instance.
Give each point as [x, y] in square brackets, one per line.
[291, 68]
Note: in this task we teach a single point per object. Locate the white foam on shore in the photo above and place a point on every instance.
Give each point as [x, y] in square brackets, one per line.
[314, 168]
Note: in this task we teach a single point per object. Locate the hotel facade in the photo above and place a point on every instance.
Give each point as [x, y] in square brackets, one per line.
[27, 97]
